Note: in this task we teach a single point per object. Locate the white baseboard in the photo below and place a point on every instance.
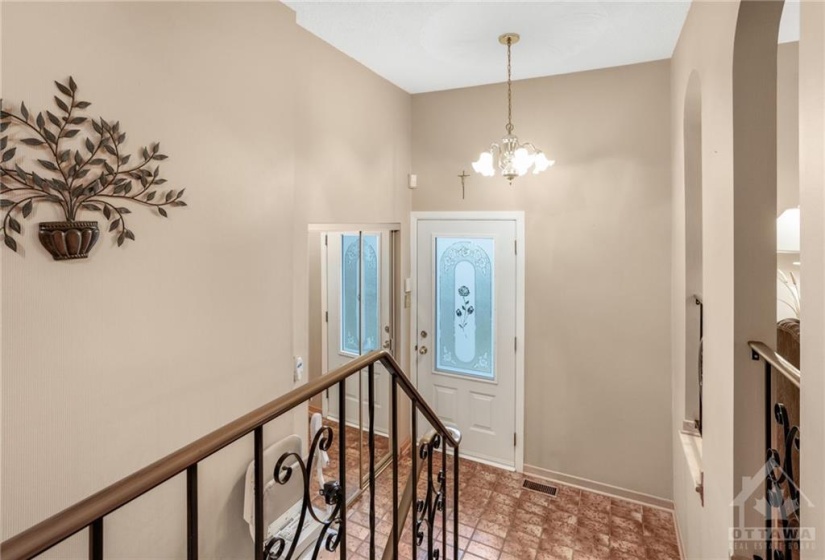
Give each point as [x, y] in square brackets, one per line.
[488, 462]
[599, 487]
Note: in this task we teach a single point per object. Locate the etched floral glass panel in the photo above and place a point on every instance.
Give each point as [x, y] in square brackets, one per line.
[371, 305]
[464, 306]
[350, 286]
[360, 316]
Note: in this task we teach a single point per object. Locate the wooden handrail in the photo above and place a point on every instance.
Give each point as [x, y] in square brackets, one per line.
[39, 538]
[449, 433]
[780, 364]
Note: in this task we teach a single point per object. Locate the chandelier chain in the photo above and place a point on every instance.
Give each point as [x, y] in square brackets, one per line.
[509, 90]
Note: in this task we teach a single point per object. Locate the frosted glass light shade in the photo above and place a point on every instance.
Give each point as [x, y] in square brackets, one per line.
[788, 231]
[522, 161]
[512, 159]
[484, 164]
[541, 163]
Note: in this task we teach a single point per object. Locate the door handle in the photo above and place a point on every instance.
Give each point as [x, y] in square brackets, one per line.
[387, 344]
[422, 350]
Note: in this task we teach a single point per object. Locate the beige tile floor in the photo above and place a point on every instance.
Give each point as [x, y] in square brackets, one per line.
[500, 520]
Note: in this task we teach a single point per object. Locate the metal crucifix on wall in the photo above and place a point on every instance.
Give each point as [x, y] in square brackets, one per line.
[462, 177]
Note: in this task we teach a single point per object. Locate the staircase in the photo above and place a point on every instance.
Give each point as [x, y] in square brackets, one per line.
[432, 501]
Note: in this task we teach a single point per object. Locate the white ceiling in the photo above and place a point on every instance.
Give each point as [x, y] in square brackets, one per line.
[431, 46]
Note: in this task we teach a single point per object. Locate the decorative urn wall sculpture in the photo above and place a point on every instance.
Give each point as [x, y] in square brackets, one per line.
[78, 164]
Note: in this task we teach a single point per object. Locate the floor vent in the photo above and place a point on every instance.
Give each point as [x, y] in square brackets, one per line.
[543, 488]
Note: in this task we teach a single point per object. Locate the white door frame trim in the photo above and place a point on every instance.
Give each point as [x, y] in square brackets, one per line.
[518, 218]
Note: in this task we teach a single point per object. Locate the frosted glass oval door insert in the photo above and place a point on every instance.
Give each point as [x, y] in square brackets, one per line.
[466, 323]
[464, 333]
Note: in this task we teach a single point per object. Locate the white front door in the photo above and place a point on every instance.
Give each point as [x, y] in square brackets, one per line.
[466, 331]
[358, 318]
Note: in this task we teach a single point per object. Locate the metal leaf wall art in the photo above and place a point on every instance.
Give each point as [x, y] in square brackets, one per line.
[79, 164]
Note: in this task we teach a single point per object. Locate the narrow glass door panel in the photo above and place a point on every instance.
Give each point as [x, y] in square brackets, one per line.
[374, 309]
[343, 289]
[371, 293]
[360, 302]
[350, 342]
[465, 314]
[358, 291]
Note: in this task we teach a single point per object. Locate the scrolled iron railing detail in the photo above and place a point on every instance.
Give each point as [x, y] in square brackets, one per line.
[782, 493]
[331, 491]
[434, 501]
[780, 481]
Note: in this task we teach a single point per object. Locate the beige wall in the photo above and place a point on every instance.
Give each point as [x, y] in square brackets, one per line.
[755, 61]
[787, 127]
[113, 362]
[352, 153]
[316, 324]
[812, 197]
[692, 122]
[352, 157]
[153, 344]
[597, 265]
[705, 47]
[732, 47]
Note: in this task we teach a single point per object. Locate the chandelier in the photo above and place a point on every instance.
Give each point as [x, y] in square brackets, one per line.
[512, 157]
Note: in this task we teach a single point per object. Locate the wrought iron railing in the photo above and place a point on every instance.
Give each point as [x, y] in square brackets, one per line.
[91, 512]
[782, 496]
